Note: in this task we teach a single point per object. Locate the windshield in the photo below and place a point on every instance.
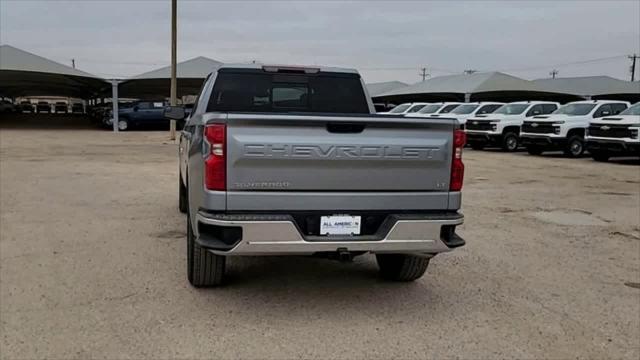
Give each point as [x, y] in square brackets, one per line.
[464, 109]
[415, 108]
[400, 108]
[429, 109]
[634, 110]
[511, 109]
[447, 109]
[575, 109]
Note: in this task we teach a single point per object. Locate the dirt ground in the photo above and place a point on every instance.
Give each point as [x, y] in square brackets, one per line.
[92, 265]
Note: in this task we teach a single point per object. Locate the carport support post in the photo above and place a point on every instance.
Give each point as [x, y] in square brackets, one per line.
[114, 102]
[174, 50]
[467, 97]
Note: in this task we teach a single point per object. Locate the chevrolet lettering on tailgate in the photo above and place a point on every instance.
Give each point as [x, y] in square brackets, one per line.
[344, 152]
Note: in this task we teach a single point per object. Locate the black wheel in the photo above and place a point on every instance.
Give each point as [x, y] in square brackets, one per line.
[574, 147]
[123, 124]
[477, 145]
[510, 142]
[534, 150]
[401, 267]
[204, 269]
[602, 156]
[182, 196]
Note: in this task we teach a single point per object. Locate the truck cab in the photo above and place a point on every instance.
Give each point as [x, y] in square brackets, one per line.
[406, 108]
[565, 128]
[469, 110]
[502, 127]
[436, 109]
[615, 135]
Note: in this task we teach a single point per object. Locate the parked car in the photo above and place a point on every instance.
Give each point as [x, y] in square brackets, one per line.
[436, 109]
[468, 110]
[564, 129]
[7, 106]
[407, 108]
[615, 136]
[502, 127]
[43, 106]
[139, 114]
[77, 108]
[294, 161]
[26, 106]
[60, 107]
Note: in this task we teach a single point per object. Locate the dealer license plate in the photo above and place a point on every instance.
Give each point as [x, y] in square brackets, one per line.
[340, 225]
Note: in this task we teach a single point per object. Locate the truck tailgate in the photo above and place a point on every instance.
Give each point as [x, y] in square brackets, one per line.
[294, 153]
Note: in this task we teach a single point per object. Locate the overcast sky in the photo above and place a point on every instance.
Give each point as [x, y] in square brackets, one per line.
[384, 40]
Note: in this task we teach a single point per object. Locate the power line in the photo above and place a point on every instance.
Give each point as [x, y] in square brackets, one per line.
[566, 64]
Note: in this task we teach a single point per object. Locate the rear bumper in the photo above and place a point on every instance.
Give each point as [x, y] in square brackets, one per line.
[425, 234]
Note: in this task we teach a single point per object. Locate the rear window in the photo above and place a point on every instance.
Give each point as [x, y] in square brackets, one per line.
[264, 92]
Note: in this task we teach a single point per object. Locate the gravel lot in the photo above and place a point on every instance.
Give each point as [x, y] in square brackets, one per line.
[93, 262]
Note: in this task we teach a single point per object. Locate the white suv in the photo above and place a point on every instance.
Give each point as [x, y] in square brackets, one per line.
[565, 128]
[436, 109]
[502, 127]
[615, 135]
[406, 108]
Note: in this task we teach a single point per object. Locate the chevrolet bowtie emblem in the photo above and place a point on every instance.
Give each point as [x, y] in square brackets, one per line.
[475, 123]
[605, 128]
[534, 125]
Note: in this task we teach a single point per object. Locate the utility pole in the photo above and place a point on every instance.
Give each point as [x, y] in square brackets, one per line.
[73, 63]
[424, 74]
[174, 84]
[553, 73]
[469, 71]
[633, 58]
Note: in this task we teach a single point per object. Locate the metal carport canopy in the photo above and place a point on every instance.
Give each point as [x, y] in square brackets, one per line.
[157, 83]
[471, 87]
[376, 89]
[603, 87]
[25, 74]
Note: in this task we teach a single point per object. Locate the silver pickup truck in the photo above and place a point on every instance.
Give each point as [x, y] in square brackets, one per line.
[281, 160]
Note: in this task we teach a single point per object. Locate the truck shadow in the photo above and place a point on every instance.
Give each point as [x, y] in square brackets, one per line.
[295, 287]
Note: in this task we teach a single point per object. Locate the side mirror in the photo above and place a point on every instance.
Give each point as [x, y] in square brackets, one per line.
[605, 113]
[174, 112]
[536, 112]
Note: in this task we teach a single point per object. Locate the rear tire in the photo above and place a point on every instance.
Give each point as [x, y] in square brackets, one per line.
[574, 147]
[477, 145]
[600, 156]
[204, 269]
[534, 150]
[182, 196]
[123, 125]
[401, 267]
[510, 142]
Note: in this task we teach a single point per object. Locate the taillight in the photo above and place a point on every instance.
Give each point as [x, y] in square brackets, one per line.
[215, 170]
[457, 167]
